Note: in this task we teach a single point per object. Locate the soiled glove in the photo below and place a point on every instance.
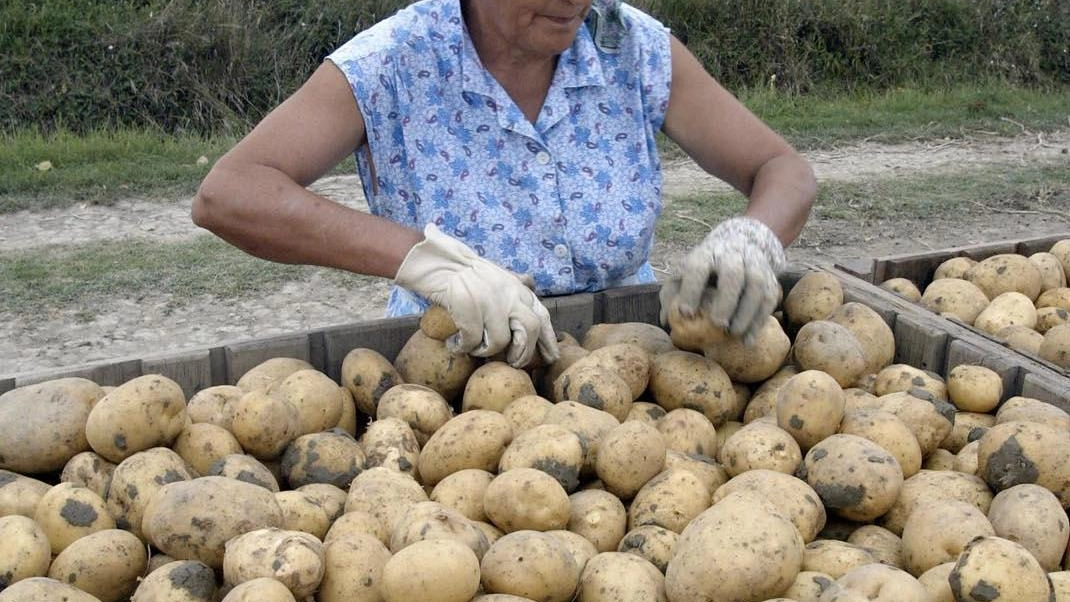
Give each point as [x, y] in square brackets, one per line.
[492, 308]
[746, 257]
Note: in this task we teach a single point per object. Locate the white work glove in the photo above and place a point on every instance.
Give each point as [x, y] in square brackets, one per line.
[746, 257]
[491, 307]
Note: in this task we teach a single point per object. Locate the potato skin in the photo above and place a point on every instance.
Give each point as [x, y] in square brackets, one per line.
[1006, 272]
[475, 439]
[331, 457]
[178, 581]
[428, 362]
[106, 564]
[67, 513]
[826, 346]
[137, 479]
[368, 374]
[903, 287]
[548, 572]
[620, 577]
[46, 438]
[937, 532]
[442, 570]
[810, 406]
[422, 408]
[960, 298]
[464, 491]
[353, 569]
[993, 567]
[813, 297]
[142, 413]
[25, 553]
[682, 379]
[855, 477]
[44, 589]
[598, 516]
[551, 448]
[385, 494]
[20, 494]
[293, 558]
[1033, 517]
[525, 499]
[494, 385]
[671, 500]
[1013, 453]
[793, 497]
[262, 589]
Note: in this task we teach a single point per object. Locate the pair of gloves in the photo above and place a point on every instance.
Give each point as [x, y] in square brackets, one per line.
[494, 310]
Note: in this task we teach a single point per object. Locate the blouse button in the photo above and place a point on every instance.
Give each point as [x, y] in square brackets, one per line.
[561, 251]
[543, 158]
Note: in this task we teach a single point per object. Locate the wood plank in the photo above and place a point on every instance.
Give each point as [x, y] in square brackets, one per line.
[859, 268]
[317, 352]
[972, 353]
[637, 303]
[1047, 387]
[192, 371]
[920, 343]
[242, 356]
[385, 335]
[84, 371]
[1040, 245]
[573, 314]
[6, 384]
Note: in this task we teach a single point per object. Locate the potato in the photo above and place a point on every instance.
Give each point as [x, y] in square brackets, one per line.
[428, 362]
[620, 577]
[494, 385]
[106, 564]
[136, 480]
[966, 458]
[144, 412]
[1056, 346]
[831, 348]
[953, 268]
[332, 499]
[569, 354]
[578, 546]
[270, 371]
[385, 494]
[464, 491]
[353, 569]
[475, 439]
[835, 558]
[1060, 584]
[317, 398]
[741, 548]
[808, 586]
[244, 467]
[548, 571]
[1027, 409]
[629, 456]
[974, 388]
[792, 497]
[1021, 338]
[599, 517]
[940, 459]
[1008, 309]
[213, 405]
[201, 444]
[681, 379]
[1061, 251]
[936, 584]
[590, 424]
[437, 323]
[192, 520]
[956, 297]
[712, 474]
[25, 553]
[877, 582]
[390, 443]
[888, 431]
[855, 477]
[628, 361]
[928, 418]
[44, 589]
[1014, 453]
[760, 445]
[331, 457]
[648, 336]
[1051, 271]
[813, 297]
[422, 408]
[357, 522]
[648, 412]
[367, 374]
[670, 499]
[293, 558]
[652, 543]
[88, 470]
[855, 398]
[903, 287]
[1050, 317]
[688, 432]
[348, 420]
[871, 331]
[938, 531]
[436, 570]
[928, 485]
[44, 439]
[750, 363]
[1056, 298]
[178, 581]
[67, 513]
[902, 377]
[302, 512]
[993, 567]
[493, 533]
[886, 547]
[551, 448]
[810, 406]
[431, 520]
[526, 499]
[264, 424]
[19, 494]
[1003, 273]
[526, 412]
[1033, 517]
[596, 386]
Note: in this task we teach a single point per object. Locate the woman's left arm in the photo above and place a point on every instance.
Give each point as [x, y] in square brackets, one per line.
[730, 142]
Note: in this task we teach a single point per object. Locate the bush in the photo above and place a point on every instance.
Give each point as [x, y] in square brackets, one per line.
[216, 66]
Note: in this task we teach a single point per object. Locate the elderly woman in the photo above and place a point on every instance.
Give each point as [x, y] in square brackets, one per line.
[506, 138]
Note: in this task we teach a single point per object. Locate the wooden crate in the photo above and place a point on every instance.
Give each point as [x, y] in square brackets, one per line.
[923, 340]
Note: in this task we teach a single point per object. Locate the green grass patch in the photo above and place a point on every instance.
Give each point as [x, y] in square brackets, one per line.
[1043, 191]
[86, 276]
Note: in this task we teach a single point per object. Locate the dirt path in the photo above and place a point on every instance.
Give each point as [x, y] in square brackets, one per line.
[151, 325]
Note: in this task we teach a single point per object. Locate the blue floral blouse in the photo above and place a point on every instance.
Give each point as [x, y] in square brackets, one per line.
[570, 199]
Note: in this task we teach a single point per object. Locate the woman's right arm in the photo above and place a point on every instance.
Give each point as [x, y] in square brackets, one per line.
[255, 197]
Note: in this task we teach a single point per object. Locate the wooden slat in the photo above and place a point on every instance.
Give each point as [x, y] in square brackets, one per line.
[973, 353]
[637, 303]
[240, 357]
[84, 371]
[920, 343]
[860, 268]
[1046, 387]
[573, 314]
[6, 384]
[192, 371]
[387, 336]
[1040, 245]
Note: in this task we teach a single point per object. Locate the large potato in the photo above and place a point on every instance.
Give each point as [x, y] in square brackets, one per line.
[1003, 273]
[954, 268]
[596, 386]
[332, 457]
[88, 470]
[19, 494]
[938, 531]
[367, 374]
[464, 491]
[354, 523]
[876, 582]
[1021, 338]
[928, 418]
[871, 331]
[796, 501]
[590, 424]
[682, 379]
[435, 570]
[551, 448]
[25, 553]
[831, 348]
[974, 388]
[527, 412]
[44, 589]
[956, 297]
[1056, 346]
[178, 581]
[270, 371]
[303, 512]
[888, 431]
[201, 444]
[67, 513]
[106, 564]
[741, 548]
[1033, 517]
[475, 439]
[264, 424]
[42, 426]
[813, 297]
[1006, 310]
[548, 572]
[902, 377]
[991, 568]
[1051, 271]
[493, 385]
[628, 361]
[742, 362]
[835, 558]
[1014, 453]
[760, 445]
[688, 432]
[422, 408]
[428, 362]
[317, 398]
[810, 406]
[193, 520]
[928, 485]
[904, 287]
[670, 500]
[855, 477]
[385, 494]
[629, 456]
[431, 520]
[524, 499]
[353, 569]
[293, 558]
[712, 474]
[620, 577]
[598, 516]
[144, 412]
[886, 547]
[137, 479]
[648, 336]
[212, 405]
[390, 443]
[652, 543]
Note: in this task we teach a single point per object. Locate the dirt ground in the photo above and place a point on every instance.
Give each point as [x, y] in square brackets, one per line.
[152, 326]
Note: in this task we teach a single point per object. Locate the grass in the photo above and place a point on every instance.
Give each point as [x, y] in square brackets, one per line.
[1039, 190]
[87, 275]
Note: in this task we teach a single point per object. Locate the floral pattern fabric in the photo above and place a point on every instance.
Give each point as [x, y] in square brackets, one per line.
[570, 199]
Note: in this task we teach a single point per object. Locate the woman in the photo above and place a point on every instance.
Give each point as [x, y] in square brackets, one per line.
[498, 138]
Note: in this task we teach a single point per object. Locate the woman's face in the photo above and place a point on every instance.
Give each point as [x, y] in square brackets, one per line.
[542, 27]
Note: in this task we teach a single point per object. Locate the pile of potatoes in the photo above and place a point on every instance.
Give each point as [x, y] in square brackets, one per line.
[644, 465]
[1022, 301]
